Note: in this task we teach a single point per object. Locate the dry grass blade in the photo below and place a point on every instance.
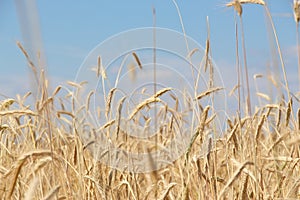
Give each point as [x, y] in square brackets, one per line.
[281, 159]
[293, 141]
[164, 194]
[233, 89]
[191, 53]
[208, 92]
[137, 60]
[52, 193]
[234, 177]
[32, 188]
[294, 192]
[30, 63]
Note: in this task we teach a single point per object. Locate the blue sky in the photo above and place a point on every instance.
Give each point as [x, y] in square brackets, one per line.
[70, 30]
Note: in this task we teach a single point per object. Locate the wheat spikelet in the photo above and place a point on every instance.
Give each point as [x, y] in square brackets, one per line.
[64, 112]
[146, 102]
[73, 84]
[57, 89]
[297, 11]
[233, 136]
[244, 188]
[262, 95]
[208, 92]
[259, 126]
[6, 103]
[260, 2]
[17, 112]
[119, 114]
[207, 46]
[198, 132]
[137, 60]
[161, 92]
[99, 69]
[108, 124]
[288, 112]
[99, 65]
[278, 118]
[256, 76]
[140, 106]
[108, 101]
[298, 115]
[237, 4]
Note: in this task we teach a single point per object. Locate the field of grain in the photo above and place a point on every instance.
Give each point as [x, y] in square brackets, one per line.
[43, 154]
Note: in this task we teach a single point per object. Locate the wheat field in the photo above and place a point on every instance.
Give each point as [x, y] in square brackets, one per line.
[42, 155]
